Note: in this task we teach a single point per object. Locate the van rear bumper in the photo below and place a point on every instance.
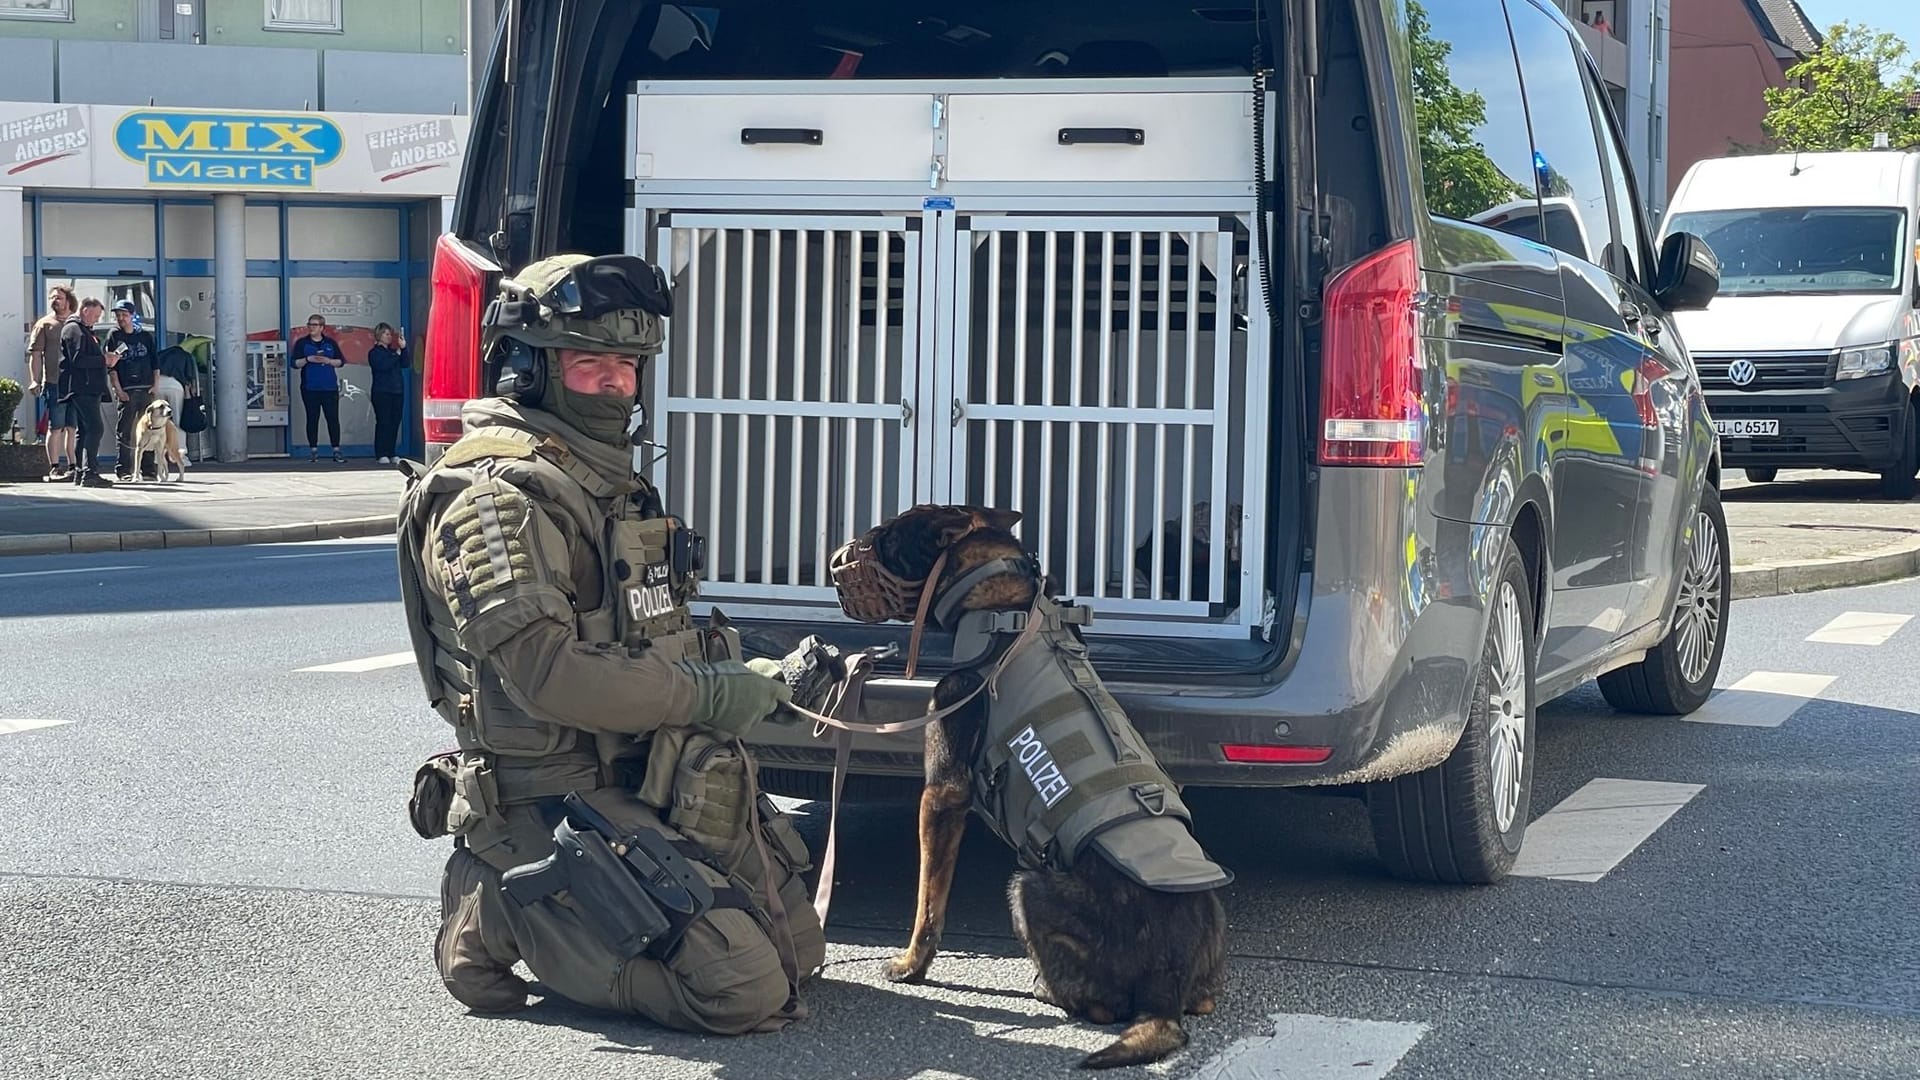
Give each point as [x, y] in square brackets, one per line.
[1381, 674]
[1855, 424]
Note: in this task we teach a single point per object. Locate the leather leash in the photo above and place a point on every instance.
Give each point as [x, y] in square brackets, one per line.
[848, 702]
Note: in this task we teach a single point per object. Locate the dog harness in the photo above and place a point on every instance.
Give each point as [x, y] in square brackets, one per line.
[1060, 769]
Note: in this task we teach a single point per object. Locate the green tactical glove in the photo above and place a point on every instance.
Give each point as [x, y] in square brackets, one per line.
[732, 696]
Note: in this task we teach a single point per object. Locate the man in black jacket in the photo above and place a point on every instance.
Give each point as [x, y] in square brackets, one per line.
[132, 380]
[83, 386]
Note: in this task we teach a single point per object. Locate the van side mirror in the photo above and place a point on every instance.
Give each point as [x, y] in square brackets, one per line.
[1689, 273]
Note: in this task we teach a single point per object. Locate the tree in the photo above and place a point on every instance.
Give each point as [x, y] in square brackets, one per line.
[1857, 84]
[1461, 180]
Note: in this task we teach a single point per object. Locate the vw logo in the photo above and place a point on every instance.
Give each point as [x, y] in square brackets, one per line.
[1742, 373]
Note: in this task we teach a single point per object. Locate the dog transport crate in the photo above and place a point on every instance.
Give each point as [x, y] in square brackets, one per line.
[1037, 295]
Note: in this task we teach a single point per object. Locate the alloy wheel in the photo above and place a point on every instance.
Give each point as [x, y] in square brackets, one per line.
[1507, 707]
[1697, 618]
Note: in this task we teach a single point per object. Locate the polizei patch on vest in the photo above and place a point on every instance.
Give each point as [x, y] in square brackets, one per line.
[1037, 761]
[652, 599]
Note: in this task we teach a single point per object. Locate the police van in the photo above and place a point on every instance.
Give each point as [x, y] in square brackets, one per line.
[1351, 479]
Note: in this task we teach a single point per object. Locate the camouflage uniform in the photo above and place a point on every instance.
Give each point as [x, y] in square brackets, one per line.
[548, 612]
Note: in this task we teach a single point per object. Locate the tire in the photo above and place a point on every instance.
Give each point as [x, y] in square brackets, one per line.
[1677, 675]
[1898, 482]
[1462, 821]
[1763, 476]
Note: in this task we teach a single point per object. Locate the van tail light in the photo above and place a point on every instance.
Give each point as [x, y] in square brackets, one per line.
[453, 337]
[1370, 384]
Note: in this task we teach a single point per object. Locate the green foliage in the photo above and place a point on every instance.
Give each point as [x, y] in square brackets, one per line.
[10, 395]
[1857, 84]
[1461, 180]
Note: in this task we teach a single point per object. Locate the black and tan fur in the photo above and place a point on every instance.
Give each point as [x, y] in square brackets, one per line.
[1104, 948]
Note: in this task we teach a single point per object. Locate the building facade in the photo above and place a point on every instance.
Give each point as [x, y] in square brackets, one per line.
[1631, 43]
[1729, 53]
[232, 167]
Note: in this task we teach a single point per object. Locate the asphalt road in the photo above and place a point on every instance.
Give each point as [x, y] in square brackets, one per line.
[205, 871]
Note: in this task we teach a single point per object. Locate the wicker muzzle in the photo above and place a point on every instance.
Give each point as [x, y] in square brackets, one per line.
[868, 592]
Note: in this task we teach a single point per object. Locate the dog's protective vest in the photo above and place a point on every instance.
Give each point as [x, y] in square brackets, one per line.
[645, 605]
[1061, 768]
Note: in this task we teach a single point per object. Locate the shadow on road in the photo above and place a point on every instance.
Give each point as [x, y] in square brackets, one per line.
[199, 579]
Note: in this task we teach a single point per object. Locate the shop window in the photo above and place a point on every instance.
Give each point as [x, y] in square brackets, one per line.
[322, 15]
[55, 10]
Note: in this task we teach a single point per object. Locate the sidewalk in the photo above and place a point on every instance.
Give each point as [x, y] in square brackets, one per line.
[1817, 530]
[247, 503]
[1809, 530]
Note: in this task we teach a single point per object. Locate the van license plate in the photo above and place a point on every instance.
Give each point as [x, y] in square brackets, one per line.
[1747, 428]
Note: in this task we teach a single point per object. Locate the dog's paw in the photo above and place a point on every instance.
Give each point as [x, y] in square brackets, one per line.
[903, 969]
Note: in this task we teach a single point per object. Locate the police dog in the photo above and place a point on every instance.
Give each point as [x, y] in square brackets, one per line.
[155, 433]
[1104, 947]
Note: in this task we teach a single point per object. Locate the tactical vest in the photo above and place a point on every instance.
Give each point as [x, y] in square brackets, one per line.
[643, 605]
[1060, 768]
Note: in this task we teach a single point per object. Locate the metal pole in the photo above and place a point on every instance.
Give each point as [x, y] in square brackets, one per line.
[230, 324]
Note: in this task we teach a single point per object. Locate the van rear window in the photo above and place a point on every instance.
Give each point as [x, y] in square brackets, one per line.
[1789, 251]
[887, 39]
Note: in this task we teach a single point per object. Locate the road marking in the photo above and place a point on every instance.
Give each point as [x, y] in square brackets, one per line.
[371, 663]
[1594, 829]
[83, 570]
[1860, 628]
[14, 727]
[1303, 1045]
[328, 554]
[1761, 699]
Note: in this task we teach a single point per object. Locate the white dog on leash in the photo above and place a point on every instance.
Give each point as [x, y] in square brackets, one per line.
[156, 433]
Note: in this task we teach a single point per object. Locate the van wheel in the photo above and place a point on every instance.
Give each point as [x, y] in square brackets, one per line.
[1763, 476]
[1462, 820]
[1898, 482]
[1677, 675]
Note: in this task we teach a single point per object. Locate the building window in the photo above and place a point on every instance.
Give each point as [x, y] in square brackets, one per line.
[322, 15]
[56, 10]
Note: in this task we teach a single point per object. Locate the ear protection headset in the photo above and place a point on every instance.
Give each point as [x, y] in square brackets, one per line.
[519, 371]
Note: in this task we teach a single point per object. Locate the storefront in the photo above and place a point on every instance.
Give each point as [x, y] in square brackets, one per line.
[327, 214]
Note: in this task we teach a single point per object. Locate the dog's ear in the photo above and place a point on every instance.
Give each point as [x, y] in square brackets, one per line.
[1000, 520]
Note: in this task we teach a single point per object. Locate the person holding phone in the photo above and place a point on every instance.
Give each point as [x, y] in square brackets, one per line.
[317, 358]
[388, 359]
[132, 383]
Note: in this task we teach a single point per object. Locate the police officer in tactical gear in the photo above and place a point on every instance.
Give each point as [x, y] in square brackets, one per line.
[546, 591]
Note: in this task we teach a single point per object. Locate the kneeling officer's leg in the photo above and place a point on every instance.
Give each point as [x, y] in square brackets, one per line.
[636, 926]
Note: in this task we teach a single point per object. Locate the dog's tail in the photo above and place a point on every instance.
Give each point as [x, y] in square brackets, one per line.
[1147, 1041]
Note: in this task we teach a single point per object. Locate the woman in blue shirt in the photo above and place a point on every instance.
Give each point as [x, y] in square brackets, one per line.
[388, 359]
[317, 358]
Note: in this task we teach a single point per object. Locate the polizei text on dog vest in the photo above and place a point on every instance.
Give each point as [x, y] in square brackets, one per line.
[1037, 761]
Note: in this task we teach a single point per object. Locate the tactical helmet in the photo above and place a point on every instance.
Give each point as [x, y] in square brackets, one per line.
[607, 303]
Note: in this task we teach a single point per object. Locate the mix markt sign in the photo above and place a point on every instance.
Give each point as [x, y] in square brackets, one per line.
[229, 149]
[123, 148]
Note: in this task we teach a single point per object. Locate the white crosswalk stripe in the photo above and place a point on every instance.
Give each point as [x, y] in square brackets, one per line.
[371, 663]
[1761, 699]
[1594, 829]
[1860, 628]
[10, 727]
[1303, 1045]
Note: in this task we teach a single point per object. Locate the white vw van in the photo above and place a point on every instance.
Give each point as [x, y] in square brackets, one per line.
[1810, 354]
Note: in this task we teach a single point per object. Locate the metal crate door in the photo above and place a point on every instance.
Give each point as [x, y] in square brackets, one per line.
[1098, 388]
[781, 407]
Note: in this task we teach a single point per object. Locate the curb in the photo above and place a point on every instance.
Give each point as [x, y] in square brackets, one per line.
[1779, 579]
[147, 539]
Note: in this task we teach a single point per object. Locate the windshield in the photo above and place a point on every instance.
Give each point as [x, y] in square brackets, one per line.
[1797, 251]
